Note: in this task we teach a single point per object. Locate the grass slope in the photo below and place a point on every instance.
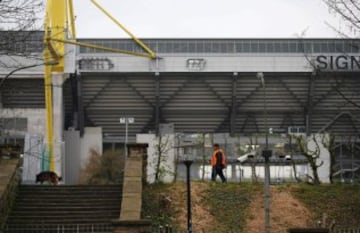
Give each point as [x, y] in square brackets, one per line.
[218, 207]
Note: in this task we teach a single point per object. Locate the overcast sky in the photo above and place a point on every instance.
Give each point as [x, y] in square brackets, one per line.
[206, 18]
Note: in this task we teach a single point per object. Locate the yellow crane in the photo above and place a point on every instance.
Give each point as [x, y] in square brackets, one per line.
[60, 30]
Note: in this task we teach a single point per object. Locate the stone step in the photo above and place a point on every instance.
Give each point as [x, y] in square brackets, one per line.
[59, 205]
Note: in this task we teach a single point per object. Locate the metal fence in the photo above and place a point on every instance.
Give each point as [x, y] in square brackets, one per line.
[54, 228]
[346, 230]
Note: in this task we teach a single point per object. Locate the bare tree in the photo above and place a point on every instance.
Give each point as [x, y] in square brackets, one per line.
[330, 144]
[20, 15]
[349, 11]
[312, 156]
[291, 152]
[19, 21]
[162, 148]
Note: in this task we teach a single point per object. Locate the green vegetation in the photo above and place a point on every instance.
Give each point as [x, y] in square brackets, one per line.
[340, 202]
[154, 206]
[228, 204]
[106, 168]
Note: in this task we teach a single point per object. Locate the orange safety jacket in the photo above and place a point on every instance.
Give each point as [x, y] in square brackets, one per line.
[215, 157]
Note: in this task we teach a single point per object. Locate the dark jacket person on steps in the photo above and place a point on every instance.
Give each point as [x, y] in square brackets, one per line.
[218, 163]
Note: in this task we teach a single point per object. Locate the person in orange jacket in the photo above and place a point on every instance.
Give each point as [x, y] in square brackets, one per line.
[218, 163]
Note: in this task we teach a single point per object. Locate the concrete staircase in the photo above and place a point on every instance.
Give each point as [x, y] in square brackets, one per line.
[45, 208]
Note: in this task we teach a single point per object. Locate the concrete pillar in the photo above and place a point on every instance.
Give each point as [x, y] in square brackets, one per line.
[130, 215]
[58, 120]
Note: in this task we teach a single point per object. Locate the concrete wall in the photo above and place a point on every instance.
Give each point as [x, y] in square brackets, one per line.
[36, 122]
[246, 62]
[72, 157]
[168, 157]
[58, 120]
[34, 135]
[92, 139]
[77, 151]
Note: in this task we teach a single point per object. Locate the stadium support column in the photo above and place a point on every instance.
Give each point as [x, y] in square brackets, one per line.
[309, 107]
[157, 104]
[233, 105]
[58, 121]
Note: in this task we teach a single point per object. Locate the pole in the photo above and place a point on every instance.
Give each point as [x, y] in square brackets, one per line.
[189, 221]
[267, 191]
[126, 136]
[266, 154]
[267, 167]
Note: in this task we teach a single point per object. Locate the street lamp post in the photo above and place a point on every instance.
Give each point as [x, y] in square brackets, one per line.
[188, 163]
[126, 121]
[266, 154]
[51, 63]
[49, 121]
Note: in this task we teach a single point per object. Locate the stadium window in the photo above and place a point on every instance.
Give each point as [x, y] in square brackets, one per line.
[284, 46]
[270, 47]
[317, 47]
[215, 47]
[254, 46]
[238, 47]
[200, 46]
[121, 45]
[355, 47]
[308, 47]
[331, 47]
[324, 47]
[339, 47]
[222, 47]
[192, 47]
[347, 47]
[277, 48]
[178, 47]
[292, 47]
[246, 47]
[262, 47]
[113, 44]
[300, 47]
[169, 47]
[162, 47]
[207, 47]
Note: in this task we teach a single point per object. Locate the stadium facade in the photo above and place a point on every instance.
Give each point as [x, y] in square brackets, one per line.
[229, 86]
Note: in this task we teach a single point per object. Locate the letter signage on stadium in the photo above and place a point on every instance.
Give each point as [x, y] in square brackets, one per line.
[338, 63]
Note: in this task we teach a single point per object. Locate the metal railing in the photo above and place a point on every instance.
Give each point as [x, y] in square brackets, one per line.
[346, 230]
[59, 228]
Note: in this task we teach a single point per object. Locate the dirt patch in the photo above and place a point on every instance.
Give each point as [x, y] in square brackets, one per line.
[201, 217]
[285, 212]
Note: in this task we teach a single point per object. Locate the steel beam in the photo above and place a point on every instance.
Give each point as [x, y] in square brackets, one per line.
[310, 104]
[291, 93]
[102, 89]
[138, 93]
[157, 103]
[233, 113]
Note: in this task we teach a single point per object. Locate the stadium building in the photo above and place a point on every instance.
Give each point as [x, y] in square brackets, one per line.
[233, 87]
